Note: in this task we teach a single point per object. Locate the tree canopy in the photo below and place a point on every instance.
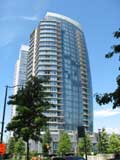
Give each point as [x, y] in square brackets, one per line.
[81, 145]
[46, 142]
[103, 142]
[114, 96]
[11, 145]
[114, 143]
[31, 105]
[64, 144]
[19, 148]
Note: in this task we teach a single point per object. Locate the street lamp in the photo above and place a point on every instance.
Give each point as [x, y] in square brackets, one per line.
[82, 134]
[99, 139]
[4, 109]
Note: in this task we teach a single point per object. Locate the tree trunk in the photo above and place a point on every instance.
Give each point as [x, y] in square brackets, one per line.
[27, 156]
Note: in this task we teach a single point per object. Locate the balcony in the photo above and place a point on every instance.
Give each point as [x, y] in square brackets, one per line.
[48, 63]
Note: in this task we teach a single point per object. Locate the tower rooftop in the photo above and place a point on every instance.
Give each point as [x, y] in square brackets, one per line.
[51, 14]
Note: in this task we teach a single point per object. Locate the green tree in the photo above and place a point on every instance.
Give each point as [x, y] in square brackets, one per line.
[64, 144]
[103, 143]
[114, 96]
[81, 145]
[114, 143]
[31, 105]
[46, 142]
[19, 149]
[11, 145]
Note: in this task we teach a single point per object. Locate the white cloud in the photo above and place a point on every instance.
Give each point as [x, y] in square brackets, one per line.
[113, 130]
[32, 18]
[28, 18]
[106, 112]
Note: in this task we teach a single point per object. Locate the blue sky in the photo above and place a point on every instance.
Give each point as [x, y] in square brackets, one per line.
[99, 19]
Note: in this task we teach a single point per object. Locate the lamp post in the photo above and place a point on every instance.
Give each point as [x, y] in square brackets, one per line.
[3, 118]
[4, 109]
[85, 148]
[82, 134]
[99, 139]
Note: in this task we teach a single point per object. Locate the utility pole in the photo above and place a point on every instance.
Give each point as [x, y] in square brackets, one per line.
[3, 119]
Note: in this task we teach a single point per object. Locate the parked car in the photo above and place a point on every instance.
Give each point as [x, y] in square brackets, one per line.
[57, 158]
[73, 158]
[68, 158]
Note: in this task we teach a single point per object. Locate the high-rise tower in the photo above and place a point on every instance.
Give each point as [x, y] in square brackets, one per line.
[20, 72]
[57, 50]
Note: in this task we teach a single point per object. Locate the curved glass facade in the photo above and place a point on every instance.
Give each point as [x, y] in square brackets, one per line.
[58, 50]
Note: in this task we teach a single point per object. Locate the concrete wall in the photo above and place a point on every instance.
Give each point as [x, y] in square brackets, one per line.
[101, 157]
